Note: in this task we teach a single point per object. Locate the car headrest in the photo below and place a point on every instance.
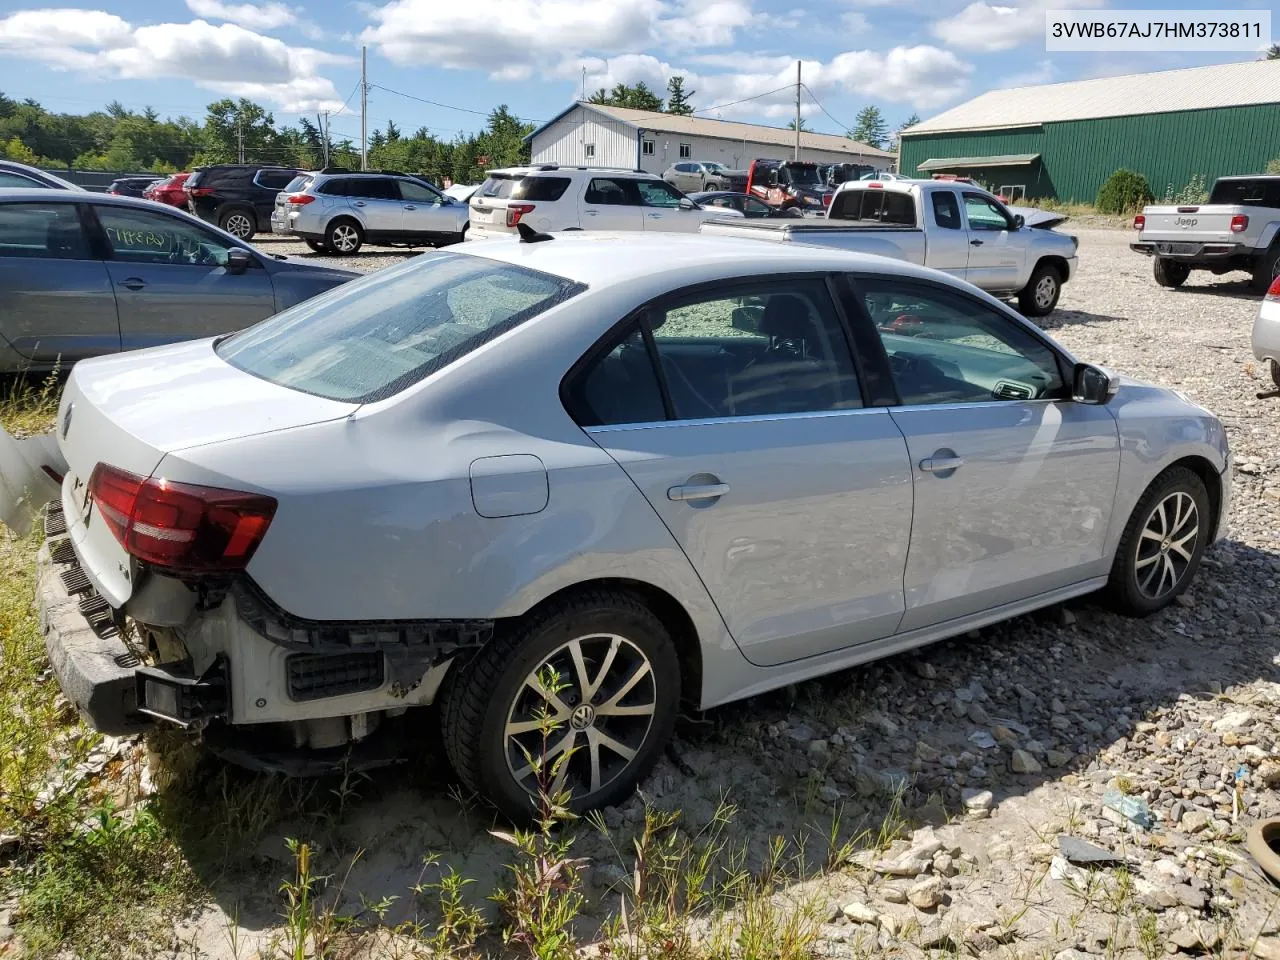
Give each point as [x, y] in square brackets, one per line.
[786, 317]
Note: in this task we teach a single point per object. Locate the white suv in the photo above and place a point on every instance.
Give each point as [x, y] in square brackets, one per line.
[550, 198]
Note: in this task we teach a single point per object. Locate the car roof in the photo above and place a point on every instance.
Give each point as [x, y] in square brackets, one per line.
[552, 170]
[600, 258]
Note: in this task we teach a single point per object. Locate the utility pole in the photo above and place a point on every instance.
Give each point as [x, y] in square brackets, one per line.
[798, 109]
[240, 137]
[584, 84]
[323, 119]
[364, 109]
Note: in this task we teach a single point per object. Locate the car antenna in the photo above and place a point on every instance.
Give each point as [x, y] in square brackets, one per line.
[530, 235]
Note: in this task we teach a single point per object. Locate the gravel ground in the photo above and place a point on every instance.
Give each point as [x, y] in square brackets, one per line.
[1001, 743]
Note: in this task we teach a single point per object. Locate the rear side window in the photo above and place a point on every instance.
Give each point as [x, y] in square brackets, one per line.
[46, 230]
[946, 211]
[544, 189]
[619, 387]
[334, 188]
[300, 182]
[1247, 193]
[877, 206]
[370, 339]
[608, 192]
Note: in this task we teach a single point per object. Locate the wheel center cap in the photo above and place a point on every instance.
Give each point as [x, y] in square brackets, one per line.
[583, 716]
[1165, 544]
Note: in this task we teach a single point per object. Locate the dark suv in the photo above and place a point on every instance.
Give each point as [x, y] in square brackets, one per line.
[238, 197]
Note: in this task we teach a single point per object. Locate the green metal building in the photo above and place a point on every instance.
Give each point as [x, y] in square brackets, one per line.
[1062, 140]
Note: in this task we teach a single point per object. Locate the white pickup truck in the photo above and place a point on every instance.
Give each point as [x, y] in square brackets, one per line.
[1238, 229]
[954, 227]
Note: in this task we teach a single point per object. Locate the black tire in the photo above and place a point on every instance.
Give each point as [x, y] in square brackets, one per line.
[491, 688]
[317, 246]
[1040, 295]
[1275, 372]
[1266, 269]
[713, 186]
[239, 222]
[1139, 558]
[1170, 273]
[343, 237]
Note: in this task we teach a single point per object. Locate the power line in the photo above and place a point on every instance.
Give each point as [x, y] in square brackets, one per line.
[734, 103]
[846, 129]
[338, 112]
[446, 106]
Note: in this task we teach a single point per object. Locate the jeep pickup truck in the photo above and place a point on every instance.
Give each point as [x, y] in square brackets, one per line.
[956, 228]
[1238, 229]
[788, 184]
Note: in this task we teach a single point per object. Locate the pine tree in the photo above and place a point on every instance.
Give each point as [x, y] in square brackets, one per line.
[870, 128]
[804, 125]
[678, 97]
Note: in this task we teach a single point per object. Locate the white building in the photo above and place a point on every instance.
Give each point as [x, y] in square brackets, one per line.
[595, 135]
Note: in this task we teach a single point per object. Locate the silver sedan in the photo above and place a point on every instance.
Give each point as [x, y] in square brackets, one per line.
[563, 483]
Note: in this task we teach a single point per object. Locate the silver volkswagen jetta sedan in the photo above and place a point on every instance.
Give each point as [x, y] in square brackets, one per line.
[573, 480]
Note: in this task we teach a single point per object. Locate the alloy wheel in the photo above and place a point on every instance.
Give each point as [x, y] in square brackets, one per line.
[1167, 545]
[238, 225]
[581, 716]
[345, 238]
[1045, 291]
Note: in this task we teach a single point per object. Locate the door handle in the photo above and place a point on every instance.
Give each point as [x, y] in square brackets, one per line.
[133, 283]
[941, 465]
[975, 243]
[358, 203]
[591, 213]
[655, 216]
[698, 491]
[410, 206]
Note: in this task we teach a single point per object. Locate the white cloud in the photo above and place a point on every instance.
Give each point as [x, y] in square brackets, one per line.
[855, 22]
[1045, 71]
[225, 58]
[988, 27]
[922, 76]
[269, 16]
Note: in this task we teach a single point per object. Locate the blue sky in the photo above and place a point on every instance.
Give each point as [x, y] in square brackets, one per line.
[903, 55]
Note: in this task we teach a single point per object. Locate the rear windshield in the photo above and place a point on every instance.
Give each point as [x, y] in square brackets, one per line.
[506, 187]
[370, 339]
[874, 206]
[1247, 193]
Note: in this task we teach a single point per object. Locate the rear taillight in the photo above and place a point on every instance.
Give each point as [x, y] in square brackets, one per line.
[1139, 222]
[875, 186]
[1239, 223]
[199, 191]
[179, 527]
[517, 210]
[299, 199]
[1273, 291]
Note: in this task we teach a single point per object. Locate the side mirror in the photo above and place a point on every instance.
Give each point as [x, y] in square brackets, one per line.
[239, 260]
[1018, 221]
[687, 204]
[1093, 384]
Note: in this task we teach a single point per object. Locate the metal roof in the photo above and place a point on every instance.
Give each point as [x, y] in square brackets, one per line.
[723, 130]
[1243, 84]
[953, 163]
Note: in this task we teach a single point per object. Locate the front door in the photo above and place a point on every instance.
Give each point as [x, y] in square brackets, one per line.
[171, 279]
[56, 301]
[662, 210]
[995, 257]
[611, 203]
[1014, 483]
[791, 500]
[424, 212]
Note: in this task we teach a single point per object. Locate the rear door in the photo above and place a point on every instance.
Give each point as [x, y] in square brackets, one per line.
[995, 256]
[946, 240]
[56, 299]
[171, 280]
[738, 414]
[377, 202]
[612, 203]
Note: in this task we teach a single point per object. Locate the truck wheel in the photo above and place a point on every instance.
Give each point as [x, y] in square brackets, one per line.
[578, 697]
[1265, 270]
[713, 186]
[1040, 295]
[1170, 273]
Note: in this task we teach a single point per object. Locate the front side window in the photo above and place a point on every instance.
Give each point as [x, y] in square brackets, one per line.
[984, 213]
[44, 230]
[946, 348]
[686, 150]
[755, 208]
[141, 236]
[646, 147]
[416, 192]
[946, 212]
[371, 338]
[658, 193]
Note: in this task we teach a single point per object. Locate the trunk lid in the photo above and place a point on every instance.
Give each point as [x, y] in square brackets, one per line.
[1191, 223]
[130, 410]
